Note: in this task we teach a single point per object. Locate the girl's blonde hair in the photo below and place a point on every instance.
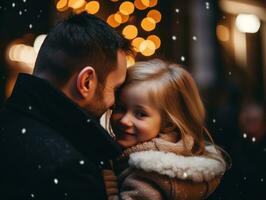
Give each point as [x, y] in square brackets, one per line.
[172, 89]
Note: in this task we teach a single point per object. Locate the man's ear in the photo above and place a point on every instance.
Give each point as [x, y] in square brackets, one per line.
[86, 82]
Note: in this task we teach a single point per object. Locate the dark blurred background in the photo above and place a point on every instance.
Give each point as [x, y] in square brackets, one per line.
[222, 43]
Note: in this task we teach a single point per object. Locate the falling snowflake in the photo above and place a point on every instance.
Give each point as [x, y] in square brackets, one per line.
[32, 195]
[24, 1]
[183, 58]
[214, 120]
[30, 107]
[253, 139]
[185, 175]
[207, 5]
[23, 131]
[88, 120]
[261, 179]
[39, 166]
[65, 194]
[30, 26]
[245, 178]
[56, 181]
[230, 73]
[177, 10]
[174, 37]
[20, 12]
[102, 163]
[244, 135]
[194, 38]
[13, 5]
[25, 10]
[81, 162]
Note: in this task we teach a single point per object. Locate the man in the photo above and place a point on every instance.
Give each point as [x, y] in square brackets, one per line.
[51, 143]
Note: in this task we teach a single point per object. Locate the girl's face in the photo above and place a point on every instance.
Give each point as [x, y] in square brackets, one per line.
[134, 118]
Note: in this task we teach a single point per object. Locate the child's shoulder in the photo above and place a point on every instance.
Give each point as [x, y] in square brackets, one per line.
[195, 168]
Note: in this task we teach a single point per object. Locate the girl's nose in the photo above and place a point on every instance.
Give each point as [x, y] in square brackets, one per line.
[126, 120]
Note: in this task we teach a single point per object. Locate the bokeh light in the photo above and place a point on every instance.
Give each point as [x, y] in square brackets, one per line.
[118, 18]
[155, 14]
[147, 48]
[139, 5]
[222, 33]
[130, 61]
[153, 3]
[156, 40]
[149, 3]
[113, 21]
[126, 8]
[22, 53]
[123, 17]
[76, 4]
[38, 42]
[136, 43]
[247, 23]
[62, 5]
[148, 24]
[130, 32]
[92, 7]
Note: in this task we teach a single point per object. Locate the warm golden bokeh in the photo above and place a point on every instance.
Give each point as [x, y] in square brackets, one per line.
[155, 14]
[112, 21]
[126, 8]
[148, 24]
[118, 18]
[62, 5]
[147, 48]
[222, 33]
[130, 32]
[149, 3]
[136, 43]
[92, 7]
[153, 3]
[156, 40]
[76, 4]
[130, 61]
[139, 5]
[123, 17]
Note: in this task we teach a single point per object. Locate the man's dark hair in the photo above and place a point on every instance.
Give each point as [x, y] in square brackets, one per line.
[76, 42]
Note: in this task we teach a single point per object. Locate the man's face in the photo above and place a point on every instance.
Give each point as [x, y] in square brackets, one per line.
[105, 96]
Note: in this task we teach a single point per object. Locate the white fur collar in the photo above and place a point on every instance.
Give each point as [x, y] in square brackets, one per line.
[195, 168]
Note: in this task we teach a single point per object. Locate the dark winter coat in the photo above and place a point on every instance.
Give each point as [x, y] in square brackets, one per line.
[49, 147]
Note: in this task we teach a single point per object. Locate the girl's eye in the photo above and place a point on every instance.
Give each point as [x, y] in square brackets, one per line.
[140, 114]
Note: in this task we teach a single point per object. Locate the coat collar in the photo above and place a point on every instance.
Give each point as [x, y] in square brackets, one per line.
[38, 99]
[195, 168]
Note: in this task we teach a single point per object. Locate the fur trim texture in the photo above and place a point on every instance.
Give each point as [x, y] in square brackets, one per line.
[195, 168]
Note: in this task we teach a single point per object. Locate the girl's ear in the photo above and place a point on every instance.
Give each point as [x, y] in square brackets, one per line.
[87, 82]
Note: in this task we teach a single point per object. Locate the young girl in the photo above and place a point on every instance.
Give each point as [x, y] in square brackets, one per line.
[159, 121]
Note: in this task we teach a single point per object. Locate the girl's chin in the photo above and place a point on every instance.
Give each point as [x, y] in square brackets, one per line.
[125, 143]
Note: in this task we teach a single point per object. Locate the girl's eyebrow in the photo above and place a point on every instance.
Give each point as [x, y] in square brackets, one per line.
[138, 106]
